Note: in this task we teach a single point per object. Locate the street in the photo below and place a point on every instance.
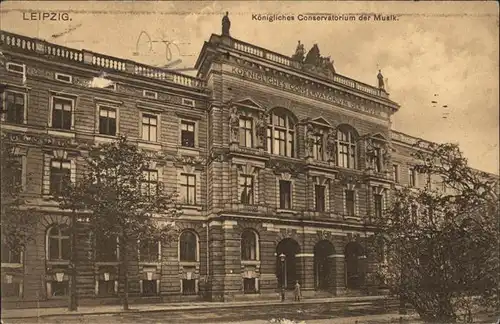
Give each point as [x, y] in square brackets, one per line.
[312, 314]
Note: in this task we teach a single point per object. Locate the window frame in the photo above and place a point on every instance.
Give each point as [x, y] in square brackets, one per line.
[149, 114]
[186, 176]
[117, 118]
[348, 211]
[244, 188]
[289, 130]
[9, 64]
[196, 247]
[254, 248]
[378, 205]
[53, 98]
[323, 208]
[140, 253]
[412, 177]
[194, 123]
[60, 238]
[350, 153]
[25, 105]
[247, 132]
[51, 169]
[282, 201]
[147, 183]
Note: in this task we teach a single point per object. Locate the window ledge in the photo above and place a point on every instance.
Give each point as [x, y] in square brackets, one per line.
[107, 263]
[286, 211]
[148, 263]
[62, 133]
[14, 127]
[57, 262]
[149, 145]
[104, 138]
[188, 263]
[192, 207]
[188, 150]
[250, 262]
[12, 265]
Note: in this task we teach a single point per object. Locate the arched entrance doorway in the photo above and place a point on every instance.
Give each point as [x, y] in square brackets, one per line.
[324, 266]
[354, 260]
[286, 270]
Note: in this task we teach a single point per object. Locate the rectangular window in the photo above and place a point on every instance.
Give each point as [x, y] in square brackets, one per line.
[187, 133]
[60, 176]
[64, 78]
[149, 127]
[10, 256]
[395, 173]
[412, 177]
[150, 182]
[279, 142]
[60, 288]
[16, 68]
[106, 288]
[319, 192]
[344, 155]
[249, 286]
[62, 113]
[246, 132]
[349, 202]
[15, 106]
[318, 147]
[150, 94]
[106, 249]
[107, 121]
[149, 251]
[188, 189]
[188, 286]
[246, 189]
[14, 170]
[285, 194]
[149, 288]
[377, 200]
[10, 289]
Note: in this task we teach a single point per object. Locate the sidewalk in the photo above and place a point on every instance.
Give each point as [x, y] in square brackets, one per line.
[142, 308]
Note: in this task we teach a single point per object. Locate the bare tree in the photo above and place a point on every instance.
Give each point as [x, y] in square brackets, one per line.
[443, 242]
[122, 202]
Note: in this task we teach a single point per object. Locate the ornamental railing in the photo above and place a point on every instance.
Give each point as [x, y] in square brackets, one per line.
[288, 62]
[101, 61]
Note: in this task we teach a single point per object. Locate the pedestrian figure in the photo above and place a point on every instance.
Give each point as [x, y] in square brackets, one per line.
[297, 291]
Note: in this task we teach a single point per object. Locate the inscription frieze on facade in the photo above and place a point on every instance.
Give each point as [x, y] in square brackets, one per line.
[41, 140]
[307, 89]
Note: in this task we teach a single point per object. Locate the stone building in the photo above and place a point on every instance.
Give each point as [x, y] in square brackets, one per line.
[281, 163]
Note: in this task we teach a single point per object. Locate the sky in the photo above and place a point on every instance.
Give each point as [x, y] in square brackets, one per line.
[433, 51]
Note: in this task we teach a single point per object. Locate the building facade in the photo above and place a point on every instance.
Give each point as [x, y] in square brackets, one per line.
[281, 165]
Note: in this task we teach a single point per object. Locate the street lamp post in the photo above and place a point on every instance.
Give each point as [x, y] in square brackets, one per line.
[282, 259]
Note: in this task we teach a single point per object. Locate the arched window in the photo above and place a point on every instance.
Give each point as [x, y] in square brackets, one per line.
[249, 245]
[281, 133]
[188, 247]
[58, 246]
[346, 147]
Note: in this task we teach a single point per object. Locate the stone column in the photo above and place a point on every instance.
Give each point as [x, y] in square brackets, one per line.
[232, 260]
[305, 270]
[215, 284]
[340, 275]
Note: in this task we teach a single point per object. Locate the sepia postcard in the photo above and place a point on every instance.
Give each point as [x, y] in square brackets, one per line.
[249, 162]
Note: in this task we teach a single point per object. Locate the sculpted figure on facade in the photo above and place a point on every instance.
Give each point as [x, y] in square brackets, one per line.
[234, 124]
[369, 153]
[299, 53]
[226, 25]
[309, 140]
[386, 156]
[380, 78]
[331, 145]
[261, 129]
